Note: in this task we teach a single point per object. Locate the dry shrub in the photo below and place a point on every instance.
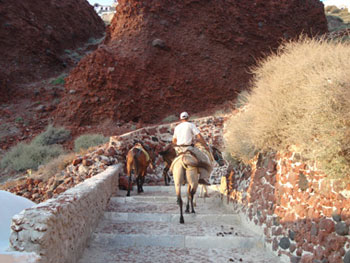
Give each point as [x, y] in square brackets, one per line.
[52, 135]
[300, 96]
[89, 140]
[11, 183]
[29, 156]
[54, 166]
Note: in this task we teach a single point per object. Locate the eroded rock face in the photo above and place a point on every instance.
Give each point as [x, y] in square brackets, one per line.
[35, 34]
[163, 56]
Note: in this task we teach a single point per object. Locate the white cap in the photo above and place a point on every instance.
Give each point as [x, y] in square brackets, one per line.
[184, 115]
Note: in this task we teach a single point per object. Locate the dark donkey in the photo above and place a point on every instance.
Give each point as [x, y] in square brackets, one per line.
[138, 159]
[169, 155]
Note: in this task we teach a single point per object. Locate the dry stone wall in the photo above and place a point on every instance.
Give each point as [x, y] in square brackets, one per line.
[158, 137]
[304, 216]
[57, 230]
[81, 168]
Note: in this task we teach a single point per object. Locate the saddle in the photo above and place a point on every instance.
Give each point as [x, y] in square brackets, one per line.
[141, 148]
[190, 160]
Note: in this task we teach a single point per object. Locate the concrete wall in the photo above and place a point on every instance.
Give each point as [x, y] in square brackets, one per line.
[58, 229]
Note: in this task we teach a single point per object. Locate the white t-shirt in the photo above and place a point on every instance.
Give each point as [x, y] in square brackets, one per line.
[184, 133]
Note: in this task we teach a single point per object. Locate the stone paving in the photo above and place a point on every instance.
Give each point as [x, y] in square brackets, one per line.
[146, 228]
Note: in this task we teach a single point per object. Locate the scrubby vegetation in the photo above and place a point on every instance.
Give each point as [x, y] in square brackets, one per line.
[342, 13]
[54, 166]
[40, 151]
[29, 156]
[59, 81]
[338, 19]
[52, 135]
[89, 140]
[300, 98]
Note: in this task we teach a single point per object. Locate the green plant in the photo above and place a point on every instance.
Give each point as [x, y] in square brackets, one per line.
[19, 119]
[29, 156]
[52, 135]
[301, 97]
[170, 118]
[242, 99]
[89, 140]
[58, 81]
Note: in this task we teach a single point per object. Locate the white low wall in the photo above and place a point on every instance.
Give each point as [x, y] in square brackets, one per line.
[57, 230]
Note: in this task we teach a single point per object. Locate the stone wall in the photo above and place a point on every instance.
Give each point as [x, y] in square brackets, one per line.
[41, 187]
[58, 229]
[304, 216]
[159, 136]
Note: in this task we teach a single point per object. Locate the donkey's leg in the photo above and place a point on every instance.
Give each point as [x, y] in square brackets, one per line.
[192, 177]
[129, 186]
[178, 174]
[165, 175]
[142, 181]
[192, 197]
[128, 169]
[138, 181]
[179, 201]
[188, 199]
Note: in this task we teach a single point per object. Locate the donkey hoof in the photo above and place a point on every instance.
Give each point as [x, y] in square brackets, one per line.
[193, 212]
[187, 211]
[182, 221]
[128, 194]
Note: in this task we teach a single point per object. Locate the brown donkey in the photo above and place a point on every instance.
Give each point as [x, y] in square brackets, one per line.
[138, 159]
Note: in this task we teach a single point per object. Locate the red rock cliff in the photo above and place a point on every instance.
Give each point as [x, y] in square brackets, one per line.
[34, 34]
[161, 57]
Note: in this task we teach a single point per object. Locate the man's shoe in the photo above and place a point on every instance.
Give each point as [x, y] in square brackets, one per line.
[203, 181]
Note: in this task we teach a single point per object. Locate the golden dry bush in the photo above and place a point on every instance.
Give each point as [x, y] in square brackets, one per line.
[53, 167]
[300, 96]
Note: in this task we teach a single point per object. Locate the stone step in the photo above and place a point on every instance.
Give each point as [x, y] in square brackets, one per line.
[163, 190]
[164, 204]
[169, 225]
[100, 253]
[176, 241]
[230, 219]
[145, 228]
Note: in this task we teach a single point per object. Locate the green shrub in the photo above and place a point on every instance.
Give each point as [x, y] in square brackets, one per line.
[300, 97]
[89, 140]
[59, 81]
[19, 119]
[170, 118]
[241, 99]
[52, 135]
[29, 156]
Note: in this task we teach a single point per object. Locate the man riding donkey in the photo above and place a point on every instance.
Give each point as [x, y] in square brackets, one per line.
[183, 141]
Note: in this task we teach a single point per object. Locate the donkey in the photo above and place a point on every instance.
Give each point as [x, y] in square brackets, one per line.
[186, 168]
[169, 155]
[181, 174]
[138, 159]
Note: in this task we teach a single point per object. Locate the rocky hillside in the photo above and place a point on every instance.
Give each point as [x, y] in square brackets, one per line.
[163, 56]
[35, 34]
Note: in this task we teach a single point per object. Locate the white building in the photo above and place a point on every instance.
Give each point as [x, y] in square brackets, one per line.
[338, 3]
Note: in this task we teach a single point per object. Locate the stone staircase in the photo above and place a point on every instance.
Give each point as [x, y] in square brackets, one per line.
[146, 228]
